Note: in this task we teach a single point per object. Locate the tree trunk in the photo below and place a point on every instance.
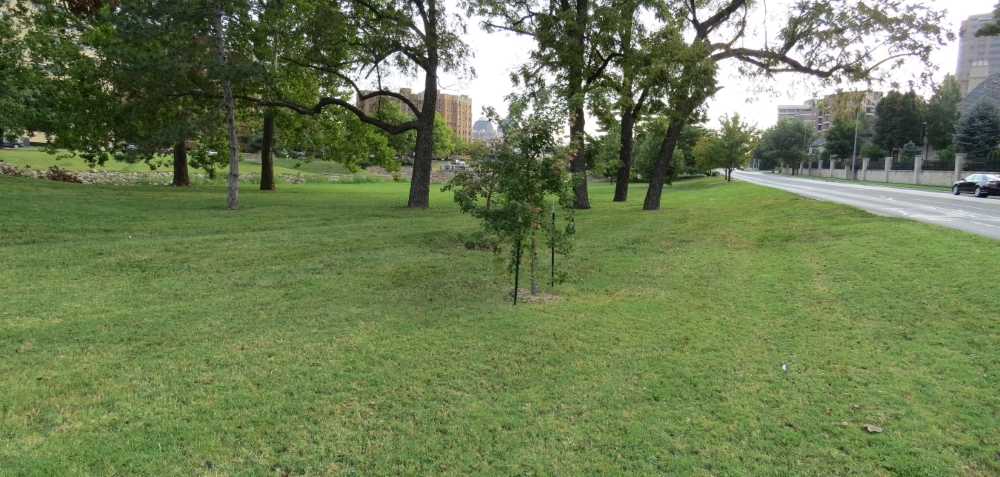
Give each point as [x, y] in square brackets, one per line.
[534, 265]
[267, 154]
[578, 163]
[625, 155]
[576, 30]
[420, 183]
[664, 161]
[181, 177]
[232, 198]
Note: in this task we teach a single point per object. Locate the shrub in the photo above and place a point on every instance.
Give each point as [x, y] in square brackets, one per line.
[56, 174]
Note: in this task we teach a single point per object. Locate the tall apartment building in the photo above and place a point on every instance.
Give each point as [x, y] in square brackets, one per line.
[819, 113]
[977, 57]
[455, 109]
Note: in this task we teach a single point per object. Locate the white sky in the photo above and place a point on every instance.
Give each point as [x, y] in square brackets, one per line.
[496, 55]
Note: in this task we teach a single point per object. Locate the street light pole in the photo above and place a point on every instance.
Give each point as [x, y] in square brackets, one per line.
[854, 155]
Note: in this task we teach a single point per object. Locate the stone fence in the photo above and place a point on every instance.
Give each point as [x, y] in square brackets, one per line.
[884, 173]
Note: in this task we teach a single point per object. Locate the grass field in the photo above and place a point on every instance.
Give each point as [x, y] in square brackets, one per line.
[39, 159]
[325, 330]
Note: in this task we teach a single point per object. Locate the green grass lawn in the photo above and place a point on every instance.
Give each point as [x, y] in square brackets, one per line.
[323, 329]
[39, 159]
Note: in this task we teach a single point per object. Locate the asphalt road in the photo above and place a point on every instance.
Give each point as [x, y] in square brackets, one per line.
[963, 212]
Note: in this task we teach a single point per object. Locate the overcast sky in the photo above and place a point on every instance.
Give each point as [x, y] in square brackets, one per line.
[497, 54]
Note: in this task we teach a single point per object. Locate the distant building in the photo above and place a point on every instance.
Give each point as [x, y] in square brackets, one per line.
[807, 112]
[977, 57]
[819, 113]
[483, 130]
[455, 109]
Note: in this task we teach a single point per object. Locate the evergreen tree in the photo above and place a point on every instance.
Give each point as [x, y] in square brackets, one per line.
[909, 151]
[978, 132]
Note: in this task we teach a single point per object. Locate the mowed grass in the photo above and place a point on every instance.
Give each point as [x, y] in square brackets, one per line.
[325, 330]
[39, 159]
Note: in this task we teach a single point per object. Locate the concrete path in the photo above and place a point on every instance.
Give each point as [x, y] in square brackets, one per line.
[964, 212]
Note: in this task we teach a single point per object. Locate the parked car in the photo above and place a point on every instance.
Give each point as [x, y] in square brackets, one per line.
[457, 162]
[7, 144]
[981, 185]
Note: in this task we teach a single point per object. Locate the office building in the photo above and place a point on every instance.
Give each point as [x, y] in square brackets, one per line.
[977, 57]
[819, 113]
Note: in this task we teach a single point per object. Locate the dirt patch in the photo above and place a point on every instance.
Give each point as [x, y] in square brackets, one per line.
[544, 296]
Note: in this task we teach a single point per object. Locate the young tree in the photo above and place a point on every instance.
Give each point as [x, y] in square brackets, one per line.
[898, 120]
[729, 148]
[942, 113]
[528, 169]
[978, 132]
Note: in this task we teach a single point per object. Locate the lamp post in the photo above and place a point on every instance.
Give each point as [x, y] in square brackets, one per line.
[854, 155]
[923, 137]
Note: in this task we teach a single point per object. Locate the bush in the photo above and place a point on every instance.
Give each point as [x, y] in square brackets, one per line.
[56, 174]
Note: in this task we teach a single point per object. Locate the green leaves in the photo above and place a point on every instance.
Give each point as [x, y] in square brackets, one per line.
[787, 141]
[899, 119]
[729, 147]
[512, 189]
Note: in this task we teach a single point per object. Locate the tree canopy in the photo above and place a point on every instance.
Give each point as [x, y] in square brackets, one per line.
[942, 113]
[898, 120]
[728, 148]
[787, 142]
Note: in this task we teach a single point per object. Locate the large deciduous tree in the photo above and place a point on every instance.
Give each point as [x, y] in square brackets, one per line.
[838, 40]
[898, 120]
[356, 39]
[787, 142]
[569, 46]
[942, 113]
[644, 66]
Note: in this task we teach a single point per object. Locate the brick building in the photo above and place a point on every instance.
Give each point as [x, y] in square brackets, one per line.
[455, 109]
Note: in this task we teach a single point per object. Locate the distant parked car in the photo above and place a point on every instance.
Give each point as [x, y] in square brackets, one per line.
[11, 144]
[457, 162]
[981, 185]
